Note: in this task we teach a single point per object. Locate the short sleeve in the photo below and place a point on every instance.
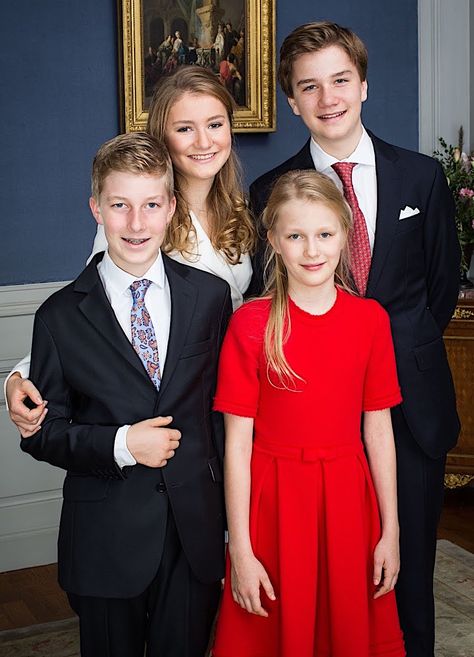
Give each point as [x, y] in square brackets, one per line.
[381, 388]
[238, 380]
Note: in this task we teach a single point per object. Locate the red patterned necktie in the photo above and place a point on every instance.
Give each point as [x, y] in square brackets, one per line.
[143, 333]
[359, 245]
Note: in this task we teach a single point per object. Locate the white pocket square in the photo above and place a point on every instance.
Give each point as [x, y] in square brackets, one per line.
[408, 212]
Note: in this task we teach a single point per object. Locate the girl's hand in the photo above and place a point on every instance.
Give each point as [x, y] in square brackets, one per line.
[386, 564]
[247, 575]
[27, 420]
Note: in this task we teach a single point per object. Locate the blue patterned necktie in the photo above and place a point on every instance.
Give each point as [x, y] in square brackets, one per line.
[143, 333]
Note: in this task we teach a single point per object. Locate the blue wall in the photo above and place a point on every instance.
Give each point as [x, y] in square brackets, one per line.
[60, 102]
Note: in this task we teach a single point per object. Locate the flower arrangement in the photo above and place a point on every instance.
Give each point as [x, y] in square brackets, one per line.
[459, 170]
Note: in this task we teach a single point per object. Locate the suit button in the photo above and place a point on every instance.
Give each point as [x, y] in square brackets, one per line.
[161, 487]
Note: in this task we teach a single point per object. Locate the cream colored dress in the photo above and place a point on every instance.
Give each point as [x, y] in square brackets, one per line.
[208, 259]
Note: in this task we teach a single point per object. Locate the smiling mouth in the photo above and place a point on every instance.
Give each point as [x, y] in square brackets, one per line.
[334, 115]
[202, 158]
[135, 242]
[314, 265]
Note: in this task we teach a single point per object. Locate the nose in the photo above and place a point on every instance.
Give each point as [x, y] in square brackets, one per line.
[312, 248]
[135, 220]
[327, 96]
[203, 138]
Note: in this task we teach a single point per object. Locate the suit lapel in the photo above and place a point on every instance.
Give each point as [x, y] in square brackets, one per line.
[183, 302]
[96, 308]
[388, 207]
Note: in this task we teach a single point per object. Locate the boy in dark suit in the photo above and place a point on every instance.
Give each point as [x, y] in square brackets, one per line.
[126, 356]
[405, 254]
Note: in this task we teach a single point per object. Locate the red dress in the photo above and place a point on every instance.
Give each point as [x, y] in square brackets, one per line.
[314, 520]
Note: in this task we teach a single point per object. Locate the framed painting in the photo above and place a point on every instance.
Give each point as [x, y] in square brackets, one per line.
[235, 39]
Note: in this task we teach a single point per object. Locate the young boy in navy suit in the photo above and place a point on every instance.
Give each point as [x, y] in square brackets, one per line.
[405, 254]
[126, 356]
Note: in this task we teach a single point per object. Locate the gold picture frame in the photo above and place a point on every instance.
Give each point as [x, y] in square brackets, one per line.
[250, 41]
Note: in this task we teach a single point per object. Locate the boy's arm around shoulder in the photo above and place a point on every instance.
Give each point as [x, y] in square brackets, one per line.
[442, 251]
[75, 447]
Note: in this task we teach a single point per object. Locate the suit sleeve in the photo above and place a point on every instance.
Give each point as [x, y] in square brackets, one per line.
[61, 442]
[442, 251]
[217, 421]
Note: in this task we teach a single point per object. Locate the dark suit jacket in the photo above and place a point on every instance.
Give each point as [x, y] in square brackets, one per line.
[113, 521]
[414, 274]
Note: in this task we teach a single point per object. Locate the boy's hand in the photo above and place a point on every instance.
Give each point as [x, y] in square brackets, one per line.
[247, 576]
[151, 443]
[386, 565]
[27, 420]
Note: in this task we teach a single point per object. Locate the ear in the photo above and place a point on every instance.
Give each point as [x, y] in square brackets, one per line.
[294, 106]
[273, 241]
[364, 90]
[95, 209]
[171, 210]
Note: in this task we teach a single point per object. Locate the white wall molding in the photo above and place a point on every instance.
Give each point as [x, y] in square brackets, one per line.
[444, 72]
[30, 492]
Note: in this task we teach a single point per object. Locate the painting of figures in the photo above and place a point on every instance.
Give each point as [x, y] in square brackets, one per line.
[183, 32]
[235, 39]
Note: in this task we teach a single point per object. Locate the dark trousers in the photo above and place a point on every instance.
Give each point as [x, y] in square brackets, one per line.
[420, 498]
[171, 618]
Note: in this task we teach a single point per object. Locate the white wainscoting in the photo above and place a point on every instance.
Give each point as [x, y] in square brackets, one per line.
[30, 491]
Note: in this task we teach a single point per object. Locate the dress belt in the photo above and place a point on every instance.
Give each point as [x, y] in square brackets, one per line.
[309, 454]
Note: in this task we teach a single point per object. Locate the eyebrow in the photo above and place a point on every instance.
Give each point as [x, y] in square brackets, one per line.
[333, 75]
[211, 118]
[119, 197]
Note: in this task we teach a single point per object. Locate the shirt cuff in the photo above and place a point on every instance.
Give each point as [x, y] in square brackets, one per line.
[23, 367]
[121, 454]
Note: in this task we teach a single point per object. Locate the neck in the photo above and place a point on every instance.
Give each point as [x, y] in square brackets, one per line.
[317, 300]
[196, 194]
[343, 148]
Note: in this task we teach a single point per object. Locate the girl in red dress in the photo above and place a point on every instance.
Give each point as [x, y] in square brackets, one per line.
[311, 504]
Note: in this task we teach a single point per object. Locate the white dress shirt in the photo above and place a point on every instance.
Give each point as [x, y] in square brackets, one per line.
[364, 177]
[117, 283]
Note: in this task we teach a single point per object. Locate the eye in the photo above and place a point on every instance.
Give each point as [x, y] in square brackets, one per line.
[152, 205]
[217, 124]
[294, 236]
[309, 87]
[184, 128]
[325, 235]
[118, 205]
[341, 80]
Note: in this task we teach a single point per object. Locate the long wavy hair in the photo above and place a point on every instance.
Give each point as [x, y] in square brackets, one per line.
[306, 186]
[232, 230]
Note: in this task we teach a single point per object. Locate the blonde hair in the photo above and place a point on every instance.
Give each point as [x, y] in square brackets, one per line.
[306, 186]
[313, 37]
[134, 152]
[232, 229]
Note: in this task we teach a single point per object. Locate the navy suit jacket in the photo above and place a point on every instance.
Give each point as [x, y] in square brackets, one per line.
[414, 274]
[113, 521]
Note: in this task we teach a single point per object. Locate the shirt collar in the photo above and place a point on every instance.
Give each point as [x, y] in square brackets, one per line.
[120, 280]
[363, 154]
